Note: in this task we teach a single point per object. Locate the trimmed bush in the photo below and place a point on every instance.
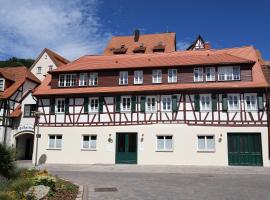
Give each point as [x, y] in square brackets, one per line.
[7, 157]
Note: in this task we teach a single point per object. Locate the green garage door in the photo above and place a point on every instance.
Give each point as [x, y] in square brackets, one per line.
[245, 149]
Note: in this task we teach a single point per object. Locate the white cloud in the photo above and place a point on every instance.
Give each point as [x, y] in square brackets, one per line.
[71, 28]
[182, 45]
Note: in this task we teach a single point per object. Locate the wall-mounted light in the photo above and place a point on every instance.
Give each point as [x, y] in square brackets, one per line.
[220, 138]
[142, 138]
[110, 140]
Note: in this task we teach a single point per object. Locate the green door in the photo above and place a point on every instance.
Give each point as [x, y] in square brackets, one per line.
[126, 148]
[245, 149]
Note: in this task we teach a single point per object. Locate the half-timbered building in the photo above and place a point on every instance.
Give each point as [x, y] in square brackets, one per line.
[144, 102]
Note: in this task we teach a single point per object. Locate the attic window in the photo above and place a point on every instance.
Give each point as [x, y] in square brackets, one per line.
[160, 47]
[139, 49]
[121, 50]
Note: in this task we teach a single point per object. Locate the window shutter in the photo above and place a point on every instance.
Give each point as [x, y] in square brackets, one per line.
[142, 105]
[66, 105]
[260, 101]
[100, 104]
[224, 102]
[52, 101]
[197, 102]
[85, 105]
[214, 102]
[133, 104]
[117, 103]
[174, 103]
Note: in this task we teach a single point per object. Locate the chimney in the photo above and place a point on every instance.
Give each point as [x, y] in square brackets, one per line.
[136, 35]
[207, 46]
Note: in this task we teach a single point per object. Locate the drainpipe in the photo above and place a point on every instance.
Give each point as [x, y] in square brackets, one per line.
[268, 119]
[4, 122]
[37, 135]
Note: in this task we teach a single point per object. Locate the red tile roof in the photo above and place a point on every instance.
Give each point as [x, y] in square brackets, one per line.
[234, 55]
[148, 40]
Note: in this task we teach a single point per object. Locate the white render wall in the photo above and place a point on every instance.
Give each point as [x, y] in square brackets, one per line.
[184, 147]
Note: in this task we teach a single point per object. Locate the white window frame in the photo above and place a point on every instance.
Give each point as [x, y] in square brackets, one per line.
[167, 100]
[93, 109]
[199, 76]
[210, 74]
[203, 98]
[250, 96]
[123, 78]
[172, 75]
[157, 76]
[228, 73]
[93, 79]
[3, 85]
[83, 79]
[57, 100]
[138, 77]
[164, 143]
[205, 143]
[55, 138]
[146, 104]
[126, 108]
[39, 70]
[50, 67]
[89, 148]
[66, 83]
[233, 107]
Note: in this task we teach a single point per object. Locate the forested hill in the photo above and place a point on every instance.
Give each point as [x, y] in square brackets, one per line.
[13, 62]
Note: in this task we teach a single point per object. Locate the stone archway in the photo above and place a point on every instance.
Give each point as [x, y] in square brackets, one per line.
[24, 145]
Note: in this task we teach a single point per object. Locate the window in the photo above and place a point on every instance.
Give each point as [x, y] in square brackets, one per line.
[138, 77]
[93, 79]
[206, 143]
[50, 67]
[29, 110]
[228, 73]
[83, 79]
[156, 76]
[166, 102]
[125, 103]
[55, 141]
[2, 84]
[60, 105]
[93, 104]
[39, 70]
[172, 75]
[67, 80]
[210, 73]
[123, 78]
[205, 102]
[233, 102]
[151, 104]
[164, 143]
[251, 102]
[89, 142]
[198, 74]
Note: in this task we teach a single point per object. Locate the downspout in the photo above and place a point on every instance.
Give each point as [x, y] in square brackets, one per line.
[268, 119]
[4, 121]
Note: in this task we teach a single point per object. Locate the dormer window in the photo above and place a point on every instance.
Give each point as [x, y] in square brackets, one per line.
[123, 78]
[67, 80]
[160, 47]
[157, 76]
[93, 79]
[2, 84]
[140, 49]
[229, 73]
[83, 79]
[121, 50]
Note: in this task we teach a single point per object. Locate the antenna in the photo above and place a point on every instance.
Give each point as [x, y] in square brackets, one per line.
[167, 29]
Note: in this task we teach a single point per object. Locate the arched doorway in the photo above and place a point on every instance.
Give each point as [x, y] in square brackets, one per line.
[24, 145]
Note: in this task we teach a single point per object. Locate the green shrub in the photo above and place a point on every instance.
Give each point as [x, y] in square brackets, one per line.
[7, 196]
[45, 180]
[7, 157]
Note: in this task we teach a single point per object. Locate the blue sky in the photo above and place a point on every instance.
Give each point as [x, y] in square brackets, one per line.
[78, 27]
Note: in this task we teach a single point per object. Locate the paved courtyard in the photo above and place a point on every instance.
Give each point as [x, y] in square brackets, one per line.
[168, 182]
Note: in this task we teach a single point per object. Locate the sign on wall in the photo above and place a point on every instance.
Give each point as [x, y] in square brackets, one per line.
[26, 127]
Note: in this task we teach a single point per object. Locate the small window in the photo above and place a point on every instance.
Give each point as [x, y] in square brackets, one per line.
[126, 104]
[151, 104]
[172, 75]
[138, 77]
[39, 69]
[123, 78]
[89, 142]
[2, 84]
[83, 79]
[166, 102]
[164, 143]
[67, 80]
[29, 110]
[229, 73]
[157, 76]
[198, 74]
[93, 79]
[55, 141]
[50, 67]
[233, 102]
[210, 74]
[205, 102]
[60, 105]
[206, 143]
[251, 102]
[93, 105]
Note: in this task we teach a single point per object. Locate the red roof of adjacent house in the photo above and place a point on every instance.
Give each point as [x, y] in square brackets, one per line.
[17, 112]
[147, 40]
[181, 58]
[19, 75]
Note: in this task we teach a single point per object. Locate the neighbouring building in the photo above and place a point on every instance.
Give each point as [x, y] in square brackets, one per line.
[144, 102]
